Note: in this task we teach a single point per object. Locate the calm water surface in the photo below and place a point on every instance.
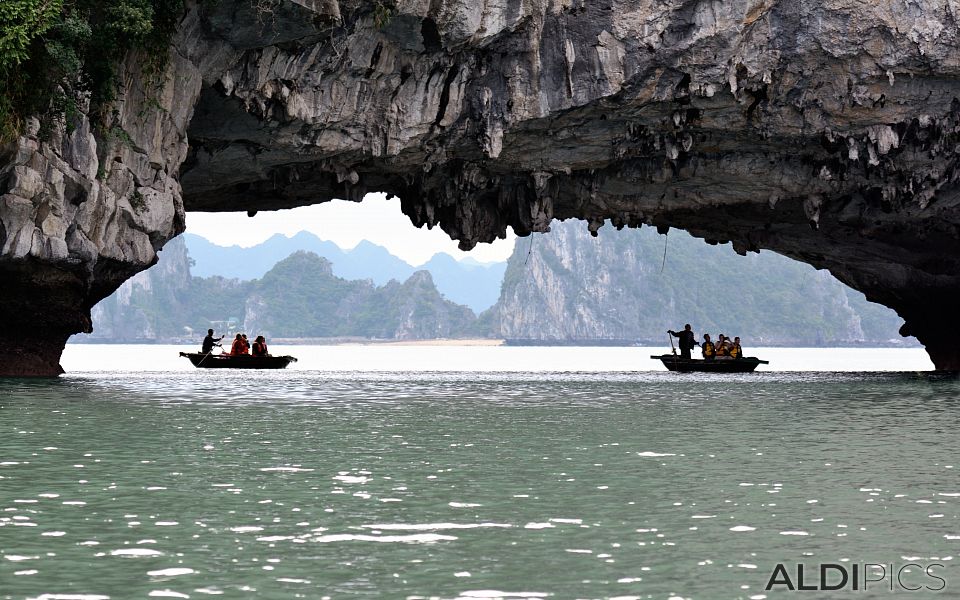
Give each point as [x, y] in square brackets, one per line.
[371, 483]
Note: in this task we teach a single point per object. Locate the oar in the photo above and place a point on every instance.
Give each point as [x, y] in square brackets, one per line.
[209, 353]
[672, 348]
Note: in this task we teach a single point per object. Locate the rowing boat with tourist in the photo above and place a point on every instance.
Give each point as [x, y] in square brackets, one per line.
[724, 356]
[239, 356]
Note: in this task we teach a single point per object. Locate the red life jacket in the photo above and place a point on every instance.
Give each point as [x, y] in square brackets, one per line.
[238, 347]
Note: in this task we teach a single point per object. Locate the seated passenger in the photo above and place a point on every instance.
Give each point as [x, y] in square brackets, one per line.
[722, 347]
[238, 348]
[736, 351]
[709, 352]
[260, 346]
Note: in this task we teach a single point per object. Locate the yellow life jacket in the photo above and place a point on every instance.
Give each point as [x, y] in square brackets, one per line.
[735, 351]
[723, 350]
[708, 349]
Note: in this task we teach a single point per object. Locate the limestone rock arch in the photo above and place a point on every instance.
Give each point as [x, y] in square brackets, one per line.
[827, 131]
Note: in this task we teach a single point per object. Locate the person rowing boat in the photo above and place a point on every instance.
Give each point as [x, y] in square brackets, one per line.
[209, 342]
[687, 340]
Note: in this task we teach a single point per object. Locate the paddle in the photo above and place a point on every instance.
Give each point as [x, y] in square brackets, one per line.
[209, 354]
[672, 348]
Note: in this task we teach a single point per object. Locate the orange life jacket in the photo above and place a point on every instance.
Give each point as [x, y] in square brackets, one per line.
[238, 347]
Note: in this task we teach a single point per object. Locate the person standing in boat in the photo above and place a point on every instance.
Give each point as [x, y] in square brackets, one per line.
[707, 347]
[687, 340]
[209, 342]
[260, 346]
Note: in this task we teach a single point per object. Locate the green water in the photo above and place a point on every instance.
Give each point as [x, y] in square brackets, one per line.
[419, 485]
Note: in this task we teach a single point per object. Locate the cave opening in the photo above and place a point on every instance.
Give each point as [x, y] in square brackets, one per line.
[627, 281]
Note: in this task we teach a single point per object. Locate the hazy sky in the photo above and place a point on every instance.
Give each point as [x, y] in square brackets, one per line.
[346, 224]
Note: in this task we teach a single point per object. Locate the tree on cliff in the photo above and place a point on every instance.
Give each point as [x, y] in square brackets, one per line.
[55, 55]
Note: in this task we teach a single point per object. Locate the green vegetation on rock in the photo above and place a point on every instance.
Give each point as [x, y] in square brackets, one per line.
[299, 297]
[55, 55]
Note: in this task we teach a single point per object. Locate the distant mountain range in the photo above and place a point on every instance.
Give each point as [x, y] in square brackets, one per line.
[466, 282]
[298, 297]
[564, 287]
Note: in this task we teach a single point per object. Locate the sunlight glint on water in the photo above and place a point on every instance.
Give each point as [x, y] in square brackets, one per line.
[387, 357]
[403, 484]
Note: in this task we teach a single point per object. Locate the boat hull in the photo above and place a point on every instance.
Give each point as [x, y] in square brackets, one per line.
[226, 361]
[740, 365]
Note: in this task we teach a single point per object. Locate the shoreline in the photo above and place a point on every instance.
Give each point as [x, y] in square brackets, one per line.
[488, 342]
[465, 342]
[281, 341]
[434, 342]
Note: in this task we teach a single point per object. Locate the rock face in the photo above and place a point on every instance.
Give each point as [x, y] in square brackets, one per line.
[85, 207]
[631, 285]
[134, 313]
[826, 131]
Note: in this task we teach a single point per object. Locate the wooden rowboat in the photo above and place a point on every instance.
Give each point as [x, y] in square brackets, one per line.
[673, 362]
[242, 361]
